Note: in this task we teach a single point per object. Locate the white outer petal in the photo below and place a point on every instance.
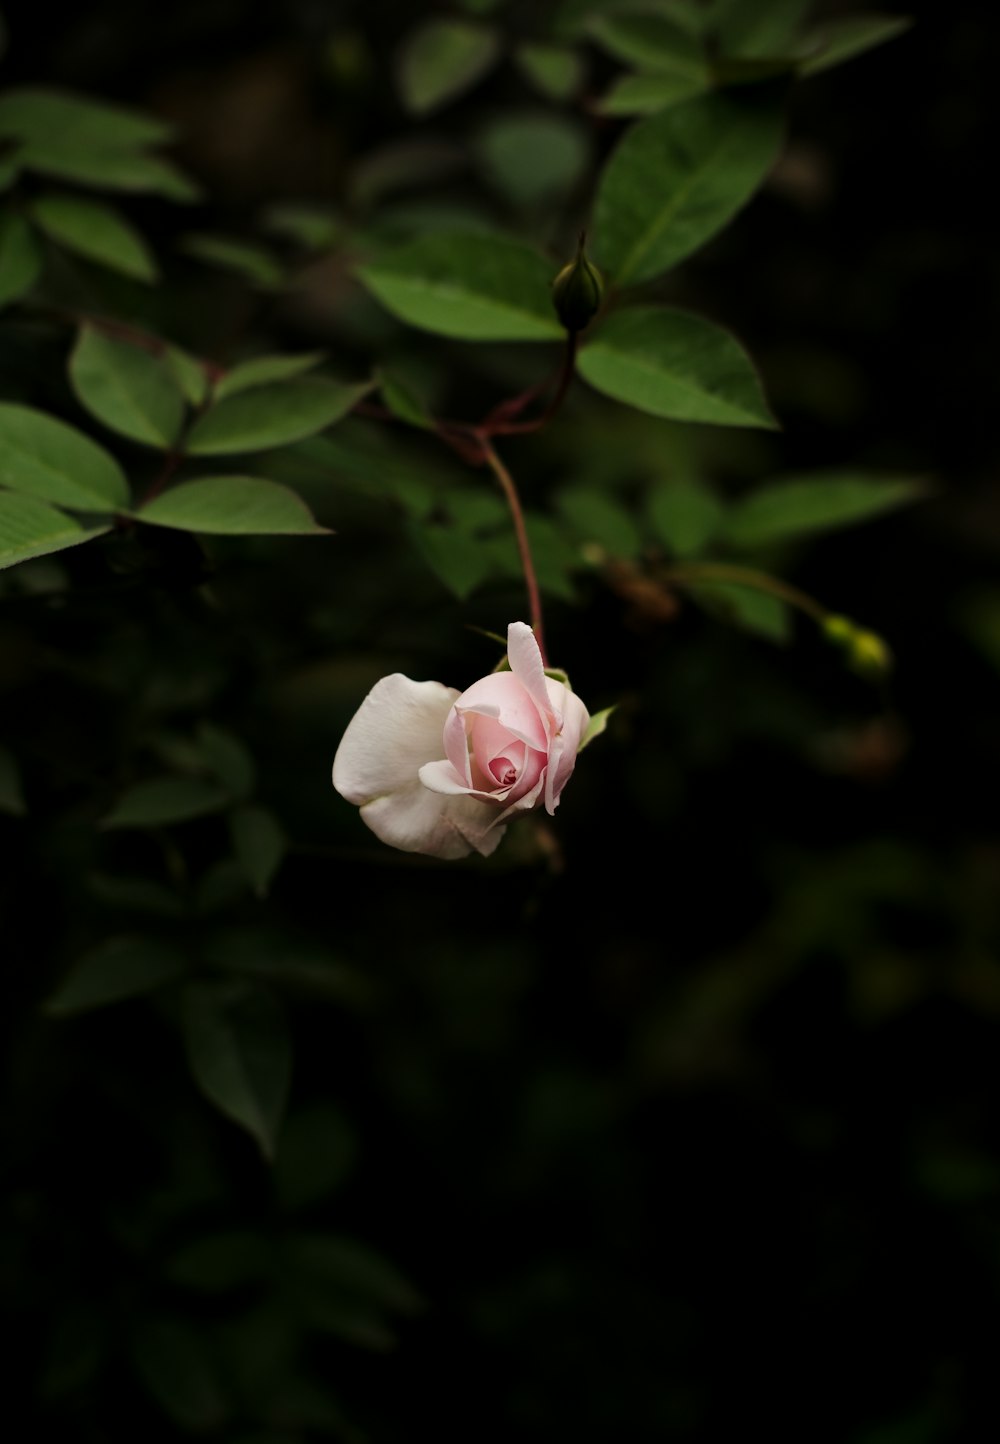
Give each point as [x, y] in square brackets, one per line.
[398, 727]
[414, 819]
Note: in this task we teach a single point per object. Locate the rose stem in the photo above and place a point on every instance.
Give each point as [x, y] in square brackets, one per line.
[506, 481]
[500, 421]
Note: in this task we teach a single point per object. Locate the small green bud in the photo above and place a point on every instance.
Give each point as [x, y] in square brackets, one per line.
[577, 291]
[866, 652]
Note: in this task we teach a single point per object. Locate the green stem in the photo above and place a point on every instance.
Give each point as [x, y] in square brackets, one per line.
[506, 481]
[177, 454]
[691, 574]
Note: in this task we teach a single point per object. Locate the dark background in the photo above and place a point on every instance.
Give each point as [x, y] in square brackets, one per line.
[692, 1132]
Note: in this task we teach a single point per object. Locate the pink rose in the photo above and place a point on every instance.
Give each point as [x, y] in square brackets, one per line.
[509, 743]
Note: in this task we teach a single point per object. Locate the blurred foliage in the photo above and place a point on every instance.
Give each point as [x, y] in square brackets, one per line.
[677, 1115]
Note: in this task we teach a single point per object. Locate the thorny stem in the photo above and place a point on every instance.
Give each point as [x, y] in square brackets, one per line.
[695, 572]
[506, 481]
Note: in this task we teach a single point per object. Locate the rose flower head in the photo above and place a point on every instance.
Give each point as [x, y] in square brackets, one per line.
[442, 772]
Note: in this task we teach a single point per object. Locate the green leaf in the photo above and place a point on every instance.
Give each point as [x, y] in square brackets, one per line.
[596, 518]
[554, 555]
[260, 844]
[221, 886]
[676, 365]
[441, 59]
[316, 1156]
[97, 232]
[677, 178]
[10, 171]
[54, 462]
[117, 170]
[351, 1267]
[979, 618]
[36, 113]
[596, 726]
[346, 1288]
[135, 895]
[648, 94]
[119, 968]
[263, 369]
[253, 263]
[686, 516]
[797, 506]
[20, 257]
[556, 71]
[315, 228]
[189, 373]
[460, 561]
[232, 506]
[403, 404]
[755, 611]
[270, 957]
[240, 1054]
[128, 388]
[840, 40]
[411, 163]
[175, 1363]
[534, 157]
[272, 415]
[575, 15]
[748, 28]
[160, 801]
[31, 528]
[228, 759]
[370, 461]
[11, 791]
[472, 287]
[217, 1263]
[650, 41]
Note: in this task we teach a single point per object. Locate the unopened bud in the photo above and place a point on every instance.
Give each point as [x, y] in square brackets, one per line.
[865, 651]
[577, 291]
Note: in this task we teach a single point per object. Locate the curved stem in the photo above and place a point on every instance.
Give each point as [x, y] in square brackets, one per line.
[506, 481]
[692, 573]
[501, 427]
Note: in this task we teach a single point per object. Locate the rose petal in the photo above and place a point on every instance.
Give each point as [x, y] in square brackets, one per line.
[394, 732]
[414, 819]
[504, 697]
[565, 745]
[526, 802]
[442, 777]
[525, 660]
[507, 766]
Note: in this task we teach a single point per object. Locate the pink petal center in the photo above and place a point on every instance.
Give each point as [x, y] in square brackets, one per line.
[503, 771]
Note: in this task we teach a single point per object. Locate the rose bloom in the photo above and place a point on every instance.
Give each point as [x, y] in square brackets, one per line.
[441, 772]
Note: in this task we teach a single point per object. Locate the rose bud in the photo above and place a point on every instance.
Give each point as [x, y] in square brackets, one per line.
[577, 291]
[442, 772]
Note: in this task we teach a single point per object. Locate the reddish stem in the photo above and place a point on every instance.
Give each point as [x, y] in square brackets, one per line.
[506, 481]
[522, 428]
